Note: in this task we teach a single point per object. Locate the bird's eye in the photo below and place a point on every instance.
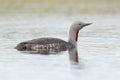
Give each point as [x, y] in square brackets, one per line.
[79, 24]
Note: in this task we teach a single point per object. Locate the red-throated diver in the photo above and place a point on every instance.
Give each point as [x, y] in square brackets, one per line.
[51, 45]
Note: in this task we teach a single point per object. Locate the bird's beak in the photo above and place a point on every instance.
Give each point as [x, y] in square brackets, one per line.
[87, 24]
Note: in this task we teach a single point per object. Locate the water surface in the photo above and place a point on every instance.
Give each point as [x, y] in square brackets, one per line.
[98, 44]
[98, 48]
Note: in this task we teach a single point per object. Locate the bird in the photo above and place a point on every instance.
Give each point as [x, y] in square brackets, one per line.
[53, 45]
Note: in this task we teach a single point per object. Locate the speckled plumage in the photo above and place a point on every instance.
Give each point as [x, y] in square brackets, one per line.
[53, 45]
[45, 45]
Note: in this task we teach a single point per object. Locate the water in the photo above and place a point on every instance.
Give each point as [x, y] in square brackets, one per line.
[98, 48]
[98, 44]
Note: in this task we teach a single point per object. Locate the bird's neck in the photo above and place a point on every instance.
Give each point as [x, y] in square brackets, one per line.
[73, 37]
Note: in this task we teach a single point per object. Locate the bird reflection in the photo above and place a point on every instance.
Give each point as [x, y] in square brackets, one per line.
[73, 55]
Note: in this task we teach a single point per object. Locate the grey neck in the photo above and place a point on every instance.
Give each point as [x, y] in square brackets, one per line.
[72, 38]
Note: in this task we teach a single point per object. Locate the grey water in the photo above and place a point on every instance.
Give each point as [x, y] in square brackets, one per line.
[98, 48]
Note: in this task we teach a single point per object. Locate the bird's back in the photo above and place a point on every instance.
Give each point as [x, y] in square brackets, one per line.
[44, 45]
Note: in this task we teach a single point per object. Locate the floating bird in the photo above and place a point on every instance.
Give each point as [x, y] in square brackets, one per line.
[53, 45]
